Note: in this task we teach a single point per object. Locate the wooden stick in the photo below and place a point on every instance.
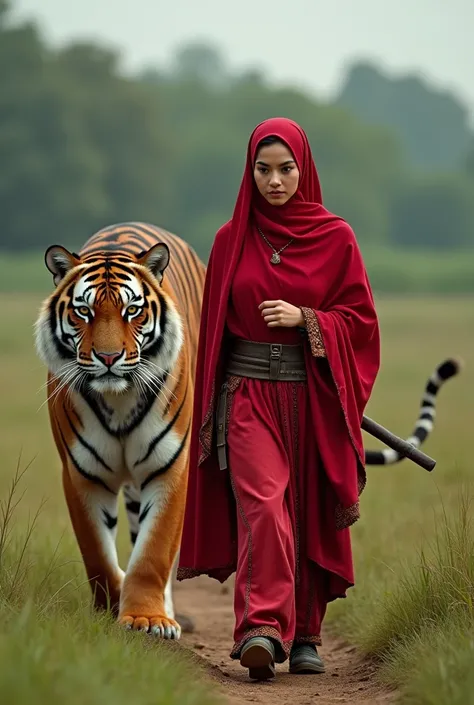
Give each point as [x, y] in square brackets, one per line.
[399, 444]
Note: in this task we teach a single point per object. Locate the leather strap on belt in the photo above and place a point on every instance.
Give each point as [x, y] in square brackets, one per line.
[221, 419]
[266, 361]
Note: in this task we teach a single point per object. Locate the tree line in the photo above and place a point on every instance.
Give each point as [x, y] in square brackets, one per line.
[83, 145]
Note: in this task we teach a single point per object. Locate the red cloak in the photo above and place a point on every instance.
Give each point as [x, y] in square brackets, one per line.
[339, 308]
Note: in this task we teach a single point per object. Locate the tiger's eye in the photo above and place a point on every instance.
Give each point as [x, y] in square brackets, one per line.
[83, 310]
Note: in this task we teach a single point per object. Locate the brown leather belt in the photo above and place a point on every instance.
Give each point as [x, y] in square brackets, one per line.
[267, 361]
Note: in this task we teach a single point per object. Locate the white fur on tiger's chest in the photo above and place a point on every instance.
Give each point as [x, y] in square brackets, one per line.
[150, 446]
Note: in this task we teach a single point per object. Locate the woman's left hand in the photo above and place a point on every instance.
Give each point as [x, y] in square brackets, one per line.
[281, 314]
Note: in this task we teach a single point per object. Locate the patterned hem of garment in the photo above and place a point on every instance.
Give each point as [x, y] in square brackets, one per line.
[345, 517]
[316, 640]
[220, 574]
[207, 429]
[282, 648]
[314, 332]
[186, 573]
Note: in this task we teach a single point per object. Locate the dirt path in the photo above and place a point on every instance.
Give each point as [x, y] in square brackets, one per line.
[348, 679]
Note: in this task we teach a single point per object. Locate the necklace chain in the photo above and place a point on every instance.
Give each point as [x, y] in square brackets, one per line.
[275, 258]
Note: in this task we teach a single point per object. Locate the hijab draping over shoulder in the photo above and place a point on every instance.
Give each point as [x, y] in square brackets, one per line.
[339, 313]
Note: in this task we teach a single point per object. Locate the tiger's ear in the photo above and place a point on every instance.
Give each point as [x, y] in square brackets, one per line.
[156, 259]
[60, 261]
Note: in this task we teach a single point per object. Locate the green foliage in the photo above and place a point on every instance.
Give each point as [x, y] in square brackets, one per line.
[49, 173]
[435, 211]
[433, 125]
[82, 145]
[199, 62]
[468, 161]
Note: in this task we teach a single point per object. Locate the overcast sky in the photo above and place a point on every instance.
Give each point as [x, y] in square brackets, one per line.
[305, 42]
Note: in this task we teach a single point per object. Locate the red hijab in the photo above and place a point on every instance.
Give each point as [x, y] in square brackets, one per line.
[303, 217]
[340, 296]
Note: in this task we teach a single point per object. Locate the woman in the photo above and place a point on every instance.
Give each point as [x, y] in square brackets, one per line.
[288, 355]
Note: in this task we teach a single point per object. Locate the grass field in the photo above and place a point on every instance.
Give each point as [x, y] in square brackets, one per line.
[413, 609]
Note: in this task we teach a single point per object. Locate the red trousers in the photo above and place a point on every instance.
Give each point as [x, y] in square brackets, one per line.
[280, 592]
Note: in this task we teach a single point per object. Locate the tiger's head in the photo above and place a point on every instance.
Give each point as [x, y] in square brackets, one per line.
[109, 325]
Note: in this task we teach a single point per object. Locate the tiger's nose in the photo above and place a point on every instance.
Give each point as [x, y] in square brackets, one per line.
[108, 358]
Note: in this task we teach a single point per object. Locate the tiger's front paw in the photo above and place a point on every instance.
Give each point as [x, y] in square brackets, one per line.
[158, 625]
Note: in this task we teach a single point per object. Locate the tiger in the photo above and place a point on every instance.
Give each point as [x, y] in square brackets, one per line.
[119, 338]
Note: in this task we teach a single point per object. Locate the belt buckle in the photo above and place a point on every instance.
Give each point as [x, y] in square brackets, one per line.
[275, 351]
[275, 360]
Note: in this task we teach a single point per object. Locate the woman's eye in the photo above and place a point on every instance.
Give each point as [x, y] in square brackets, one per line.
[83, 310]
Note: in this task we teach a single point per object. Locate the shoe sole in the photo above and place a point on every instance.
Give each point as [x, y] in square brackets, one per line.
[307, 667]
[260, 663]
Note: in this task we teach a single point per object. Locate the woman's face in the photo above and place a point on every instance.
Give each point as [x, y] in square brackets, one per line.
[276, 173]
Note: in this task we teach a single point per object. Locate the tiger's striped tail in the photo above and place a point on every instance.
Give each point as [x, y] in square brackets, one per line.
[425, 422]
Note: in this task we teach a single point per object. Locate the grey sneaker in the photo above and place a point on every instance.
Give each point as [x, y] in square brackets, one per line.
[258, 655]
[304, 658]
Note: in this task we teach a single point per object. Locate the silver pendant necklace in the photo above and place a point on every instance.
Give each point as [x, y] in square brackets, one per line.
[275, 258]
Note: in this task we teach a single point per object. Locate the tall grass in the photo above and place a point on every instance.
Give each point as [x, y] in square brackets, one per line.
[432, 590]
[423, 630]
[442, 670]
[55, 649]
[32, 572]
[426, 635]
